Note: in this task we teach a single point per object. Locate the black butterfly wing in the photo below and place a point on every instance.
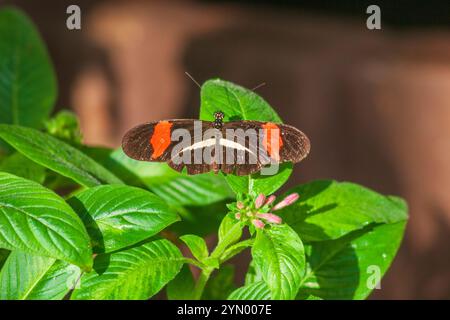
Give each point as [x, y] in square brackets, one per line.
[160, 141]
[153, 141]
[275, 142]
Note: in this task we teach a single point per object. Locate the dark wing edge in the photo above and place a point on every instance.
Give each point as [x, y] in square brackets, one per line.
[296, 144]
[136, 142]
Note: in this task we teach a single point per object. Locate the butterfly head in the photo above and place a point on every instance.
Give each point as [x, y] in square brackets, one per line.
[218, 119]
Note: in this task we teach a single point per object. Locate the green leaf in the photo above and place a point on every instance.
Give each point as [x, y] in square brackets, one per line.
[254, 291]
[230, 231]
[257, 183]
[176, 188]
[278, 253]
[56, 155]
[21, 166]
[343, 268]
[236, 102]
[239, 103]
[133, 274]
[36, 220]
[41, 278]
[182, 286]
[117, 216]
[329, 209]
[221, 284]
[197, 246]
[27, 79]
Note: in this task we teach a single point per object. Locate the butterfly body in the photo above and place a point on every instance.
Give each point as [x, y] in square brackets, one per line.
[236, 147]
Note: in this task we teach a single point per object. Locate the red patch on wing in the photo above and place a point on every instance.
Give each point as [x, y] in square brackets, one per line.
[160, 139]
[272, 141]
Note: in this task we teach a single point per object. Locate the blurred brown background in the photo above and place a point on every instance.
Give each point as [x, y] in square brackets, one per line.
[376, 104]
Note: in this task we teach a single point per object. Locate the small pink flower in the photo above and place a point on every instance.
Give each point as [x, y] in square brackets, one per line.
[259, 201]
[270, 217]
[258, 223]
[237, 216]
[240, 205]
[270, 200]
[290, 199]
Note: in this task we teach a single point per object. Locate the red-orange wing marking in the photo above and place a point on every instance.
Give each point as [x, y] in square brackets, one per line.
[160, 139]
[272, 141]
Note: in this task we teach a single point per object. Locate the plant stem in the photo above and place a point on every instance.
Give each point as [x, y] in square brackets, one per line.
[201, 283]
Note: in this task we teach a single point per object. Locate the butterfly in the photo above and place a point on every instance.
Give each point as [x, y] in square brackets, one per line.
[236, 147]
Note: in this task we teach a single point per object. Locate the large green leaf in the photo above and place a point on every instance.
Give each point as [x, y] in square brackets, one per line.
[36, 220]
[236, 102]
[27, 80]
[279, 255]
[133, 274]
[330, 209]
[31, 277]
[117, 216]
[254, 291]
[176, 188]
[56, 155]
[345, 268]
[239, 103]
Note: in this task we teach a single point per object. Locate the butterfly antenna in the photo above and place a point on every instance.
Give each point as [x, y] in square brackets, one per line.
[192, 78]
[259, 86]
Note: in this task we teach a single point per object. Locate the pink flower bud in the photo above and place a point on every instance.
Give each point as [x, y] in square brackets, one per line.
[269, 217]
[259, 201]
[258, 223]
[237, 216]
[290, 199]
[270, 200]
[240, 205]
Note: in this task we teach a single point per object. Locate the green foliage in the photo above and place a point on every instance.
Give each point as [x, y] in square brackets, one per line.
[36, 220]
[343, 268]
[129, 215]
[279, 256]
[134, 274]
[197, 246]
[335, 242]
[27, 80]
[221, 284]
[64, 126]
[182, 287]
[23, 167]
[40, 278]
[329, 209]
[56, 155]
[254, 291]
